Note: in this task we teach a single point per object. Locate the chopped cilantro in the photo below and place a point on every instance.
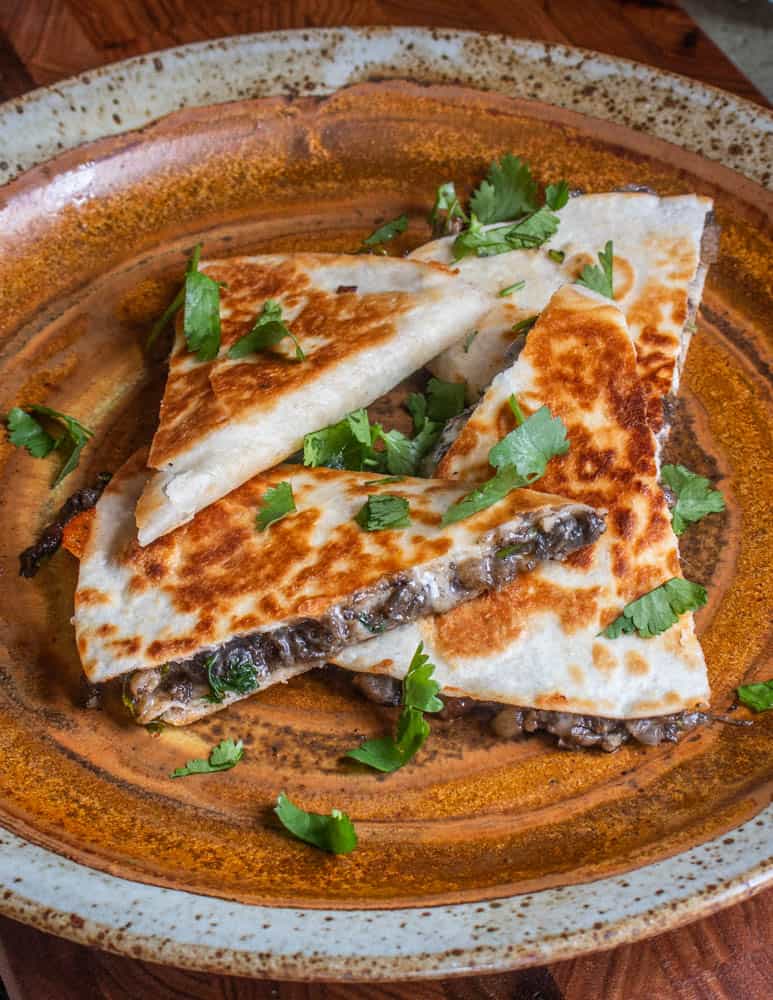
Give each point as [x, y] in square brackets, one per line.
[444, 399]
[467, 343]
[334, 833]
[416, 404]
[177, 302]
[386, 232]
[278, 501]
[268, 329]
[224, 756]
[420, 692]
[345, 445]
[520, 458]
[658, 610]
[508, 192]
[523, 326]
[557, 256]
[557, 195]
[531, 231]
[511, 550]
[485, 495]
[201, 316]
[403, 454]
[758, 697]
[386, 481]
[516, 287]
[599, 279]
[532, 444]
[372, 626]
[446, 209]
[382, 512]
[25, 431]
[239, 676]
[694, 496]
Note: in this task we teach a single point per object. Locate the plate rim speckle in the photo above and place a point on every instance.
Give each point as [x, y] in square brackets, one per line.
[174, 927]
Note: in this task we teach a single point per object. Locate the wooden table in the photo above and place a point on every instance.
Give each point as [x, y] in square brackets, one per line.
[42, 41]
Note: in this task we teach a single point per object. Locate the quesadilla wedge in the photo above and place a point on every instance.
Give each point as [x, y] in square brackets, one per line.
[536, 644]
[359, 325]
[662, 249]
[218, 608]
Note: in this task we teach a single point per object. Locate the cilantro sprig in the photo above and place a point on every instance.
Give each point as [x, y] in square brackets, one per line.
[508, 191]
[419, 695]
[384, 234]
[447, 213]
[223, 757]
[67, 435]
[657, 610]
[694, 496]
[520, 458]
[334, 833]
[758, 697]
[240, 677]
[177, 302]
[277, 502]
[382, 512]
[599, 279]
[268, 329]
[529, 232]
[201, 315]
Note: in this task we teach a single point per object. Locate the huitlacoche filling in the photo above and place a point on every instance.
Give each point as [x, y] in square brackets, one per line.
[573, 731]
[430, 589]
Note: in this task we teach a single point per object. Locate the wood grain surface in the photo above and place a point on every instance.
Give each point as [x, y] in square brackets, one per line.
[42, 41]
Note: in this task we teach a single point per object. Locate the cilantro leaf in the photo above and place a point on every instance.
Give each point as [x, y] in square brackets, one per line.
[508, 192]
[278, 501]
[758, 697]
[524, 325]
[268, 329]
[416, 404]
[532, 231]
[420, 691]
[695, 497]
[557, 195]
[557, 256]
[444, 399]
[224, 756]
[469, 338]
[387, 232]
[599, 279]
[485, 495]
[177, 302]
[658, 610]
[387, 480]
[446, 209]
[382, 512]
[345, 445]
[532, 444]
[201, 316]
[516, 287]
[334, 833]
[27, 432]
[404, 454]
[239, 676]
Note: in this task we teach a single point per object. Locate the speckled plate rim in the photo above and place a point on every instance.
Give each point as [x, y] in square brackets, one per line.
[58, 895]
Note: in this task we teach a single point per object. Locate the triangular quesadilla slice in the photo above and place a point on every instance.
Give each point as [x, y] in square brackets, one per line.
[285, 571]
[359, 325]
[537, 643]
[662, 248]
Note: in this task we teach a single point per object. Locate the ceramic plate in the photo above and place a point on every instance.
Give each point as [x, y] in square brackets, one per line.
[482, 854]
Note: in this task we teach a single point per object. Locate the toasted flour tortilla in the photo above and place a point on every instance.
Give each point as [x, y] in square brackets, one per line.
[284, 598]
[364, 323]
[535, 643]
[662, 248]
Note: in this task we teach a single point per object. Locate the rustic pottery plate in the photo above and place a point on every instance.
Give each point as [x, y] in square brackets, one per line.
[482, 854]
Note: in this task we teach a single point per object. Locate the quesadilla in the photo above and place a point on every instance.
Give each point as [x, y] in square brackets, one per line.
[218, 608]
[359, 325]
[536, 644]
[662, 248]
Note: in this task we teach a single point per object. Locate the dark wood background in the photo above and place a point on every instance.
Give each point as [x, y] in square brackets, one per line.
[726, 956]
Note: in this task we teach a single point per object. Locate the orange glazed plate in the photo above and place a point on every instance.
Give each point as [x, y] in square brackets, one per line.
[482, 854]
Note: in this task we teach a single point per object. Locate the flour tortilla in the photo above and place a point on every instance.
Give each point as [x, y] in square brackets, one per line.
[662, 248]
[364, 322]
[218, 578]
[536, 642]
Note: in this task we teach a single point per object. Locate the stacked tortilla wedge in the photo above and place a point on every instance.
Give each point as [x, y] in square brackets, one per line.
[510, 603]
